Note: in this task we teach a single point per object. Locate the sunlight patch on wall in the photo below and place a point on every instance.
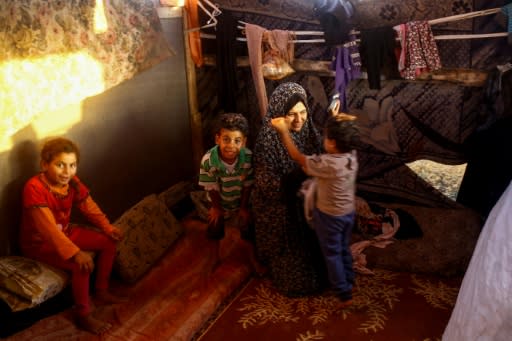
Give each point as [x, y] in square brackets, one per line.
[100, 20]
[445, 178]
[57, 122]
[33, 87]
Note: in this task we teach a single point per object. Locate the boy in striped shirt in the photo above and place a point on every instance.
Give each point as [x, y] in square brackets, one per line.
[227, 176]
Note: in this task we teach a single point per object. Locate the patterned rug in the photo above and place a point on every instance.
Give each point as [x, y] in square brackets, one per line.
[387, 306]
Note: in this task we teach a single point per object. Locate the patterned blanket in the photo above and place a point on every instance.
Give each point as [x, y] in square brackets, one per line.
[406, 121]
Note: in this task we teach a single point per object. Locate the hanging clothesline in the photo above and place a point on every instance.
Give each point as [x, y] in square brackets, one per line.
[452, 18]
[438, 37]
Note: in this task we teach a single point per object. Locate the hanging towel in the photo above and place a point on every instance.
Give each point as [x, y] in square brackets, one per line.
[254, 34]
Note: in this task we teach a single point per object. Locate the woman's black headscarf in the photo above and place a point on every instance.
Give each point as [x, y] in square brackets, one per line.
[268, 148]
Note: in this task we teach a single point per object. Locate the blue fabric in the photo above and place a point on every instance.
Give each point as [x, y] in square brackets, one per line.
[334, 233]
[507, 10]
[341, 9]
[334, 17]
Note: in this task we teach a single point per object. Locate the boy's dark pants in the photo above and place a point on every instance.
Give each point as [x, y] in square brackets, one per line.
[334, 233]
[216, 231]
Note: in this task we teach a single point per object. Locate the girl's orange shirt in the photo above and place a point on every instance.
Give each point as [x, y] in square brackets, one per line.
[46, 215]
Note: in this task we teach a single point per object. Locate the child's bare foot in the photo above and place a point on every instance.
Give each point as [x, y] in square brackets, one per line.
[104, 298]
[92, 325]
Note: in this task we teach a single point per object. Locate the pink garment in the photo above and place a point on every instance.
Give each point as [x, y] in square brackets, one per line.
[401, 31]
[254, 34]
[86, 240]
[421, 50]
[278, 40]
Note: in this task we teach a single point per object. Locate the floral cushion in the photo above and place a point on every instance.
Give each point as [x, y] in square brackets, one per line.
[149, 229]
[25, 283]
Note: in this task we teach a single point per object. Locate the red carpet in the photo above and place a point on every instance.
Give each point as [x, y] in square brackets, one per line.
[387, 306]
[171, 302]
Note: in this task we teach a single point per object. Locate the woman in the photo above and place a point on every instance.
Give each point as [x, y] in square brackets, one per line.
[284, 241]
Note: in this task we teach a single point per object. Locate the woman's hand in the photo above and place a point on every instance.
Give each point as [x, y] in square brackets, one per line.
[84, 261]
[345, 117]
[279, 124]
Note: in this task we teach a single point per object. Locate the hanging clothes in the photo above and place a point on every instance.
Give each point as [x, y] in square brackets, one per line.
[401, 31]
[194, 37]
[278, 52]
[498, 88]
[254, 34]
[279, 39]
[377, 51]
[334, 17]
[347, 65]
[419, 49]
[226, 62]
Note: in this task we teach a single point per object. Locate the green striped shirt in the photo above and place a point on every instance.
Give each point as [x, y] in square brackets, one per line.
[214, 175]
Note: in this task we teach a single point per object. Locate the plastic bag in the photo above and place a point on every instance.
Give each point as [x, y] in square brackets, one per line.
[274, 67]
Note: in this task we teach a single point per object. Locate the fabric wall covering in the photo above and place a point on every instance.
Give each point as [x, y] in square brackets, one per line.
[368, 13]
[55, 52]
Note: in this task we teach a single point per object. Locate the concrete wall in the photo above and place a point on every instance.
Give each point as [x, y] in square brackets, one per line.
[134, 141]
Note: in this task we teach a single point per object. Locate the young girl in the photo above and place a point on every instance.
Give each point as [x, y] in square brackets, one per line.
[47, 236]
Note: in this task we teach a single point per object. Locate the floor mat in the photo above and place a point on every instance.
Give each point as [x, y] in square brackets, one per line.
[386, 306]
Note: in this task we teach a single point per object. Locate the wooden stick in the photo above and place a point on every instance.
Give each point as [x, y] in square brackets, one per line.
[464, 16]
[470, 36]
[321, 68]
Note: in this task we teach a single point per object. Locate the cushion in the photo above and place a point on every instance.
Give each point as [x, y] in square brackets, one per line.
[176, 193]
[149, 229]
[201, 203]
[25, 283]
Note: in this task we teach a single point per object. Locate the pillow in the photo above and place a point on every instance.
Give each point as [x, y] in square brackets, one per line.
[25, 283]
[201, 203]
[149, 229]
[176, 193]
